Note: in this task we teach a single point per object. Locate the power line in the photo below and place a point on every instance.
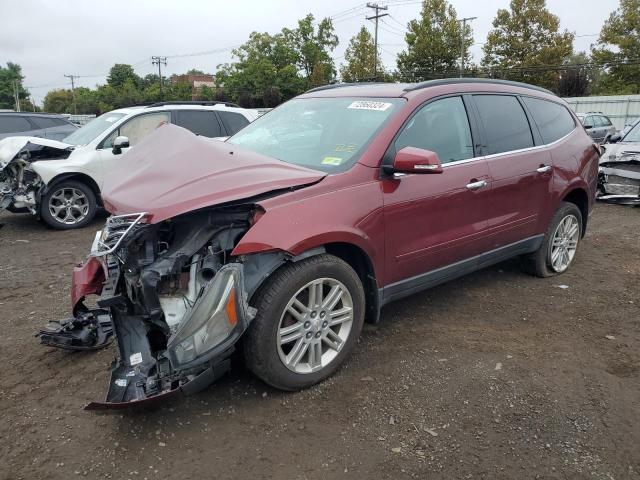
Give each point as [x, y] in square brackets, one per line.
[73, 91]
[159, 61]
[376, 17]
[463, 29]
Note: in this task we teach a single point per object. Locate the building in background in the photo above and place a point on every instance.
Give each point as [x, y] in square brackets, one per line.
[197, 81]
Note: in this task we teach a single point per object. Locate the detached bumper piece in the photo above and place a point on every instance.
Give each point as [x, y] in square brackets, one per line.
[90, 330]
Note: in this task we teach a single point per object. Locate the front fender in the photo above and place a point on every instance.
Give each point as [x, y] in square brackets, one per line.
[352, 215]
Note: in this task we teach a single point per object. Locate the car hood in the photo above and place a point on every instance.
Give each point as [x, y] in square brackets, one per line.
[47, 149]
[172, 171]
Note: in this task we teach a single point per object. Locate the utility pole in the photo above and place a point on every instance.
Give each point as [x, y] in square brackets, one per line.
[16, 95]
[462, 31]
[73, 91]
[159, 61]
[375, 17]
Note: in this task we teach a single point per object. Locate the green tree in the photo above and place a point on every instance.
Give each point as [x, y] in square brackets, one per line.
[313, 45]
[361, 58]
[120, 74]
[619, 44]
[8, 75]
[433, 43]
[58, 101]
[526, 44]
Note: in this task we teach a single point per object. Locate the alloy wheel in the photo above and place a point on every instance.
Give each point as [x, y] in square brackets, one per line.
[315, 325]
[564, 243]
[68, 205]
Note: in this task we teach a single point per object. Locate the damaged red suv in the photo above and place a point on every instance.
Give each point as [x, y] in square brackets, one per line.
[293, 232]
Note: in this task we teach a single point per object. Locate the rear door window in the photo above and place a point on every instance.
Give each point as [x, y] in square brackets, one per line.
[553, 120]
[14, 124]
[605, 121]
[233, 122]
[505, 124]
[139, 127]
[442, 127]
[200, 122]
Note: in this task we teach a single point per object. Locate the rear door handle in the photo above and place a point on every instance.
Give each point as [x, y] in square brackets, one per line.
[543, 169]
[476, 185]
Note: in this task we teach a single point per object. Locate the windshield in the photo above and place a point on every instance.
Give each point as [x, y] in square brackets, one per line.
[633, 135]
[91, 130]
[325, 134]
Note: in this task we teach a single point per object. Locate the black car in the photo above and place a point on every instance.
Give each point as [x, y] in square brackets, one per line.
[45, 125]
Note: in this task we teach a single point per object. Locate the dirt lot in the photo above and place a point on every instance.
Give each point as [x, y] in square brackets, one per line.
[496, 375]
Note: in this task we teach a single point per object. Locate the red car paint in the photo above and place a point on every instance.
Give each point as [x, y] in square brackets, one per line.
[172, 172]
[405, 226]
[86, 279]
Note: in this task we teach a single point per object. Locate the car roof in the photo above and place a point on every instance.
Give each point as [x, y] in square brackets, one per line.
[408, 89]
[34, 114]
[176, 106]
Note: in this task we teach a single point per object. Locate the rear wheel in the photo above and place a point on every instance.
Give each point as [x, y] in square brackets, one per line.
[67, 205]
[310, 315]
[560, 243]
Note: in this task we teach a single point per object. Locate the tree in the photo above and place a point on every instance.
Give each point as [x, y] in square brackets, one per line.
[8, 75]
[361, 58]
[618, 45]
[312, 47]
[577, 78]
[58, 101]
[433, 43]
[526, 44]
[120, 73]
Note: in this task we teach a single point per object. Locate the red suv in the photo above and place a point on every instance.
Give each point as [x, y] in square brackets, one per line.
[290, 234]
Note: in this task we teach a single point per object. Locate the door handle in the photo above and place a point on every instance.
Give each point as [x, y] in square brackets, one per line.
[543, 169]
[476, 185]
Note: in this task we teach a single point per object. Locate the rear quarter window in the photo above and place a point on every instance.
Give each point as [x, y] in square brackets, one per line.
[553, 120]
[505, 124]
[233, 122]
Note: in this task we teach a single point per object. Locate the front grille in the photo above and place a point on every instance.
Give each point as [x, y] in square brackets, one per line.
[621, 188]
[116, 229]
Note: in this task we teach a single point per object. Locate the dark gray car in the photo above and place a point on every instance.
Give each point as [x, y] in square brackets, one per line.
[597, 125]
[45, 125]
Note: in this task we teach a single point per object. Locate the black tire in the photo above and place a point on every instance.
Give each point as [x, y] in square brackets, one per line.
[538, 263]
[51, 220]
[260, 341]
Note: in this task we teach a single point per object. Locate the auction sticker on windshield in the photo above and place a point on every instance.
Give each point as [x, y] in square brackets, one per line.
[366, 105]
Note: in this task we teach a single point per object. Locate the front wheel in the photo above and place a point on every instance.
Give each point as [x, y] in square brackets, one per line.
[310, 315]
[67, 205]
[559, 245]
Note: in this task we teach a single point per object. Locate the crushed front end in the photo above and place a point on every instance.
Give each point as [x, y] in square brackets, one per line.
[619, 178]
[20, 185]
[176, 298]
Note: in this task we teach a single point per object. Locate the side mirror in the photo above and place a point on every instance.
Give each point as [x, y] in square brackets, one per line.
[588, 127]
[615, 138]
[118, 144]
[416, 160]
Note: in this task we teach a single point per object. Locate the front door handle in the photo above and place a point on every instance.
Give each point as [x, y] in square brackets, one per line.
[543, 169]
[476, 185]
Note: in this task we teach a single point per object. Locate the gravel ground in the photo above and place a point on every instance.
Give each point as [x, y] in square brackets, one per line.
[495, 375]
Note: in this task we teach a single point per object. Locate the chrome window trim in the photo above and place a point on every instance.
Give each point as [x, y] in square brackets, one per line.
[510, 152]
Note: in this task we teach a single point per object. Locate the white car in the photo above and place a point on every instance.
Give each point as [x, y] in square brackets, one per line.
[61, 181]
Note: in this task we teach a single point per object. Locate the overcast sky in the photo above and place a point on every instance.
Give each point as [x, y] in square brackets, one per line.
[86, 37]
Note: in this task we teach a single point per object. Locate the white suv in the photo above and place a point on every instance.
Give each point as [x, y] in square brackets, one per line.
[61, 181]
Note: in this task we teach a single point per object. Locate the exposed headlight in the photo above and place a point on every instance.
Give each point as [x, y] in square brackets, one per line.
[211, 320]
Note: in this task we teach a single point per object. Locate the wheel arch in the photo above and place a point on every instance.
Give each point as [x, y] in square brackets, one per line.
[578, 196]
[80, 177]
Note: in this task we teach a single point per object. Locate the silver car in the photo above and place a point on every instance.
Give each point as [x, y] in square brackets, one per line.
[44, 125]
[598, 126]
